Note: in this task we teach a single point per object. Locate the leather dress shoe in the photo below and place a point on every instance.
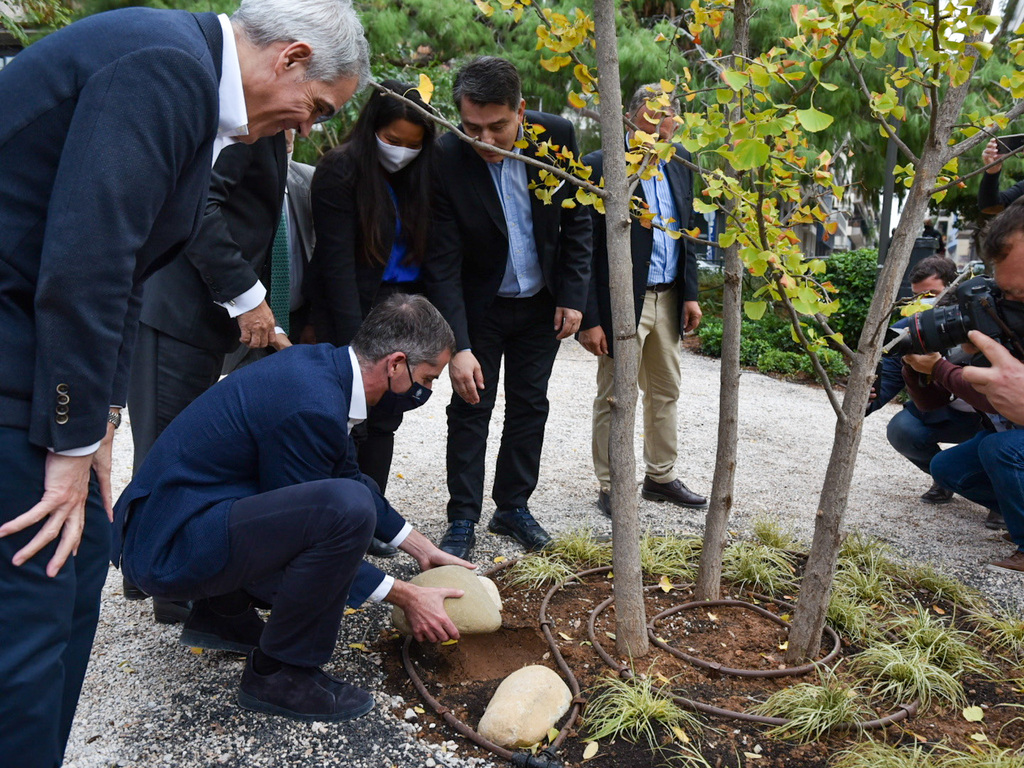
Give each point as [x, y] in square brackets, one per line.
[994, 521]
[380, 548]
[171, 611]
[205, 628]
[937, 495]
[459, 539]
[130, 591]
[520, 525]
[604, 503]
[1007, 537]
[674, 492]
[302, 693]
[1013, 564]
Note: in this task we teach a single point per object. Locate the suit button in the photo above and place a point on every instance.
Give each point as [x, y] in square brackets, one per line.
[63, 399]
[62, 410]
[62, 389]
[62, 419]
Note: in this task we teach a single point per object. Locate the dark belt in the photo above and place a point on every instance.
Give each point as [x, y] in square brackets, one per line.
[661, 287]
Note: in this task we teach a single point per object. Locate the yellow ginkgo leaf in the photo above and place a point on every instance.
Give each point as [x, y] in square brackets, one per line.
[665, 584]
[358, 647]
[590, 750]
[426, 88]
[552, 734]
[974, 714]
[500, 559]
[680, 734]
[450, 642]
[564, 636]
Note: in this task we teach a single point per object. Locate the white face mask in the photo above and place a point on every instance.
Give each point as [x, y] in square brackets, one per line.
[395, 158]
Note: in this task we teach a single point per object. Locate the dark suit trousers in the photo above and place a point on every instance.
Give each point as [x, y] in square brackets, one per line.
[167, 375]
[297, 548]
[46, 625]
[522, 331]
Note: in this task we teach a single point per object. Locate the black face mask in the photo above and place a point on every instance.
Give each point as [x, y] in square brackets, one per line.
[393, 403]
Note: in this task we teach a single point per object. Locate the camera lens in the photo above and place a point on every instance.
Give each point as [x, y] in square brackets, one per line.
[939, 329]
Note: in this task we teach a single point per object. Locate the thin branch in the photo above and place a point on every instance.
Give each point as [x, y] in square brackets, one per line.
[961, 179]
[955, 150]
[840, 49]
[888, 129]
[823, 322]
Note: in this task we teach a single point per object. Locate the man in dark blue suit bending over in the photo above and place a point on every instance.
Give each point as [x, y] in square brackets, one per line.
[109, 131]
[253, 491]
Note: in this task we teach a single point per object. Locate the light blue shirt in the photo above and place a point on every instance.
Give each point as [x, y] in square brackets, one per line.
[523, 277]
[665, 253]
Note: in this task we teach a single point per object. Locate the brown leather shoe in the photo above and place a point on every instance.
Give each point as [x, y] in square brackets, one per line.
[937, 495]
[674, 492]
[1013, 564]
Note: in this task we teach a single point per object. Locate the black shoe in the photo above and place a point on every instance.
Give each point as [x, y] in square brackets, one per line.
[459, 539]
[170, 611]
[520, 525]
[130, 591]
[205, 628]
[604, 503]
[674, 492]
[937, 495]
[994, 521]
[380, 548]
[302, 693]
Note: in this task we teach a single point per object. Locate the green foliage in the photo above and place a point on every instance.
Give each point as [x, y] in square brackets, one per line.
[947, 648]
[944, 587]
[710, 334]
[580, 550]
[832, 361]
[814, 709]
[672, 556]
[851, 617]
[631, 709]
[536, 570]
[1004, 634]
[902, 674]
[877, 754]
[771, 533]
[853, 273]
[758, 567]
[780, 361]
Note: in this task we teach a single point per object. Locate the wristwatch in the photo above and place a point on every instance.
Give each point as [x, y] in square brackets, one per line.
[114, 417]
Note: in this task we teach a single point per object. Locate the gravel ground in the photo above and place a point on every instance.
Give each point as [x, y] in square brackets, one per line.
[149, 701]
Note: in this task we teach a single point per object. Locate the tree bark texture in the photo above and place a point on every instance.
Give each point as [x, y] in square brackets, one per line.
[816, 589]
[709, 572]
[630, 615]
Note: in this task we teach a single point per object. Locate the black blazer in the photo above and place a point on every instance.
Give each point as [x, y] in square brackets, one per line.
[342, 283]
[641, 241]
[231, 251]
[105, 145]
[469, 246]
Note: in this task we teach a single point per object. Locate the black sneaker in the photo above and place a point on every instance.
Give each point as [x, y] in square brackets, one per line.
[171, 611]
[459, 539]
[994, 521]
[302, 693]
[380, 548]
[520, 525]
[130, 591]
[937, 495]
[604, 503]
[205, 628]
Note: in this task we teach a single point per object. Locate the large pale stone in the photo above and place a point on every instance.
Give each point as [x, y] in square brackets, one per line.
[525, 707]
[475, 613]
[492, 590]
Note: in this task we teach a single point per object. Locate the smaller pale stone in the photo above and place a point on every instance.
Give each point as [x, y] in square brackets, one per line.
[525, 707]
[475, 613]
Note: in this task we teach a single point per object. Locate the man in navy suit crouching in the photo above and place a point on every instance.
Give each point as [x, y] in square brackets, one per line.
[253, 491]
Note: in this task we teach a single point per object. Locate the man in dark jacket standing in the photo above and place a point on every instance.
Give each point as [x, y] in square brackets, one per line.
[109, 131]
[665, 293]
[510, 274]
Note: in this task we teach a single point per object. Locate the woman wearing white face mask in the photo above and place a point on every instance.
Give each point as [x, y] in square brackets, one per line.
[371, 213]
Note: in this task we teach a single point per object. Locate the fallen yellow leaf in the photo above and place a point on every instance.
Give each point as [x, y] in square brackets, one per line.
[680, 734]
[552, 734]
[564, 636]
[358, 647]
[590, 750]
[500, 559]
[665, 584]
[974, 714]
[450, 642]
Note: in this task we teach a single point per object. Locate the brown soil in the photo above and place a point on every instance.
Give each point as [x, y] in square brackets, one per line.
[465, 675]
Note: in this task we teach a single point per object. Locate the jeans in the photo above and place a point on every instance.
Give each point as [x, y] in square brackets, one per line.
[919, 441]
[989, 470]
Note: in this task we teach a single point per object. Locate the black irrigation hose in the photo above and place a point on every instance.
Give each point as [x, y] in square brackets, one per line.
[546, 757]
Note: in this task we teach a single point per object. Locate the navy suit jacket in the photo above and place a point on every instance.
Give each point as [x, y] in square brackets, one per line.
[273, 424]
[641, 241]
[468, 254]
[105, 145]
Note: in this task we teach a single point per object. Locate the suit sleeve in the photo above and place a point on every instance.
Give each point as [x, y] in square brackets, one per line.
[575, 236]
[119, 164]
[442, 268]
[332, 286]
[691, 288]
[214, 252]
[119, 393]
[598, 252]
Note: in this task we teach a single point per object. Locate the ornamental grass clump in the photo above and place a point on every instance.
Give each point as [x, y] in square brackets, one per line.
[672, 556]
[579, 549]
[867, 553]
[988, 756]
[902, 674]
[759, 568]
[813, 709]
[634, 709]
[1003, 634]
[770, 533]
[867, 584]
[943, 587]
[853, 618]
[537, 570]
[947, 648]
[876, 754]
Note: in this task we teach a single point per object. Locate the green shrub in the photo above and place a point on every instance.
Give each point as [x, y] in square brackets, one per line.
[779, 361]
[854, 274]
[752, 346]
[710, 334]
[833, 362]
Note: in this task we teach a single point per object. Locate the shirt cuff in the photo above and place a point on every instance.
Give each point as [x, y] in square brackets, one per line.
[402, 535]
[382, 590]
[86, 451]
[247, 301]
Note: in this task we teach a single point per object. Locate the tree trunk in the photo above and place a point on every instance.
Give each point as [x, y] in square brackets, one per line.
[709, 573]
[630, 615]
[816, 589]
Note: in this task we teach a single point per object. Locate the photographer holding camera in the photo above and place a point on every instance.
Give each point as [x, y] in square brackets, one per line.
[989, 468]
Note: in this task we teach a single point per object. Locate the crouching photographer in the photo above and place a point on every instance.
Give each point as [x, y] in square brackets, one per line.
[988, 318]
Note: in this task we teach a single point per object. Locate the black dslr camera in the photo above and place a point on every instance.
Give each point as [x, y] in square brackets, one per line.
[979, 306]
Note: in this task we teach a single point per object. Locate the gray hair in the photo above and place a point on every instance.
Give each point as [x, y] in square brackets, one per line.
[330, 27]
[404, 323]
[645, 93]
